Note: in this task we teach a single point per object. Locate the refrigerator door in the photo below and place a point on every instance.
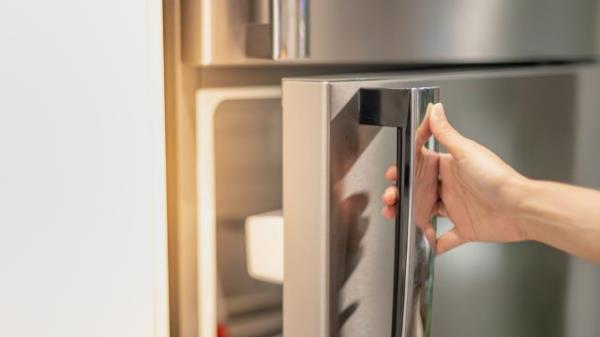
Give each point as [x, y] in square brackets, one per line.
[386, 31]
[339, 250]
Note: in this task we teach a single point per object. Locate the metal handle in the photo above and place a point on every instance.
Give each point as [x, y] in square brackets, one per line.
[284, 36]
[404, 109]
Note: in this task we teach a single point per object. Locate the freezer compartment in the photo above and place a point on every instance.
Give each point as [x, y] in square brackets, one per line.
[338, 248]
[239, 171]
[387, 31]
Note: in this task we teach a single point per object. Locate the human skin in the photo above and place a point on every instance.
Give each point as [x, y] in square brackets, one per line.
[488, 201]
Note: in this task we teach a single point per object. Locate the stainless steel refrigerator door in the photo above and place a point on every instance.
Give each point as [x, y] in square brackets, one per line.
[219, 32]
[339, 249]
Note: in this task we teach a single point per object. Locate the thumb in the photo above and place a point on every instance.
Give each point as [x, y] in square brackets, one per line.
[448, 241]
[453, 141]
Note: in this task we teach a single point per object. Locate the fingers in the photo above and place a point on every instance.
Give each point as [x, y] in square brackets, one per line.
[448, 241]
[441, 209]
[424, 130]
[429, 233]
[389, 212]
[390, 196]
[445, 133]
[391, 173]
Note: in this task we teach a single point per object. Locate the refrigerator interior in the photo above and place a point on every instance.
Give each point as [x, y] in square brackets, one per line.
[247, 182]
[239, 171]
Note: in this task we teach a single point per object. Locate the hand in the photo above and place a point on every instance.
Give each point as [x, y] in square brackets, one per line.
[476, 189]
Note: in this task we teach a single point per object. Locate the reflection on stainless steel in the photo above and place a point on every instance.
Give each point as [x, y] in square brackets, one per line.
[348, 223]
[283, 34]
[339, 273]
[290, 29]
[421, 249]
[417, 168]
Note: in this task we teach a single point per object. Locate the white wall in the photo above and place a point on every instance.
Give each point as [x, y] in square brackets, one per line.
[82, 169]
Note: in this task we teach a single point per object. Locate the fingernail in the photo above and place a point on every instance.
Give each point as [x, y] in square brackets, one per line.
[437, 111]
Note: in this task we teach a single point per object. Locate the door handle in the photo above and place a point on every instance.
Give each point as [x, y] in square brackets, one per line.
[279, 29]
[413, 275]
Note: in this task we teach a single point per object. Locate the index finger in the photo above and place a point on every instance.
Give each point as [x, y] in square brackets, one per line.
[391, 173]
[423, 132]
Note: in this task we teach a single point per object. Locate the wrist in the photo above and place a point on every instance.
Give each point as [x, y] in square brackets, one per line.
[524, 190]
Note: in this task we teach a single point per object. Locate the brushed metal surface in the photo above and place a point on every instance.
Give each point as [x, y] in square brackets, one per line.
[583, 283]
[450, 31]
[526, 116]
[391, 31]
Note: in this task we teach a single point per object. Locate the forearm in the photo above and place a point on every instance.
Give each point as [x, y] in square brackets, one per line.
[562, 216]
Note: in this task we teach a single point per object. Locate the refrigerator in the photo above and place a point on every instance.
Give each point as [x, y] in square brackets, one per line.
[282, 93]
